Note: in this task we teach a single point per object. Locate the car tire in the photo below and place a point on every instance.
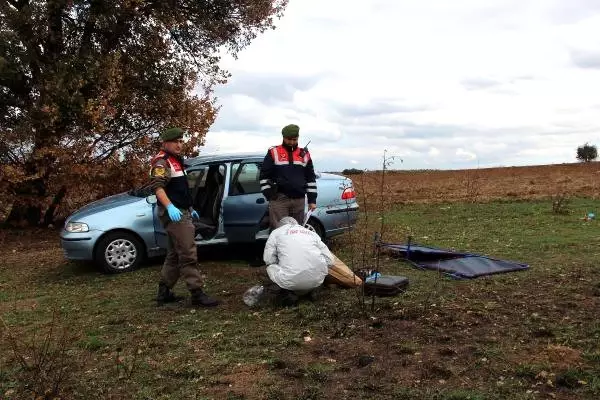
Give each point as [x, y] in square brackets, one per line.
[317, 227]
[119, 252]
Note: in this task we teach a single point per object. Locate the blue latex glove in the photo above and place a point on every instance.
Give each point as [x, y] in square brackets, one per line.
[373, 277]
[174, 213]
[195, 214]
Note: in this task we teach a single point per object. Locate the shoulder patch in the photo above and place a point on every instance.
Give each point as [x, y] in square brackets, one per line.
[158, 171]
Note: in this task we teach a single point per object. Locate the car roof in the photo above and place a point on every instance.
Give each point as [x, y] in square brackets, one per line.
[223, 157]
[226, 157]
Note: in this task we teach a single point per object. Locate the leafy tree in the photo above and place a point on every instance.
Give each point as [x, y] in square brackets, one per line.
[587, 153]
[86, 85]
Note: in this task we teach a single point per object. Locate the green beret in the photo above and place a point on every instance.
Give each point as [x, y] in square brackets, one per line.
[290, 131]
[171, 134]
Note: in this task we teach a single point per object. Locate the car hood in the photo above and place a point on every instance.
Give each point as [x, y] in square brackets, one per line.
[104, 204]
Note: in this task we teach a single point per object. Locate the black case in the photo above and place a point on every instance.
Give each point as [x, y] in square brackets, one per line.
[386, 285]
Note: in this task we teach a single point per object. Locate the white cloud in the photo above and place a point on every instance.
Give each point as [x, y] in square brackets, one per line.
[465, 154]
[437, 83]
[433, 152]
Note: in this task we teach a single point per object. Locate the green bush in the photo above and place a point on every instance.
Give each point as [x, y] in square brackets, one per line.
[352, 171]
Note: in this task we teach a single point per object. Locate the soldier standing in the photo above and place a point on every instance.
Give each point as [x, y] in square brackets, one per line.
[287, 177]
[169, 182]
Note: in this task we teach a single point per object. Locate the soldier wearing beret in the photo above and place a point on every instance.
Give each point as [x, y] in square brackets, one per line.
[287, 177]
[169, 182]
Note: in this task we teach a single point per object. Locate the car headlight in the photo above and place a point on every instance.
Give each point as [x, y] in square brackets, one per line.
[76, 227]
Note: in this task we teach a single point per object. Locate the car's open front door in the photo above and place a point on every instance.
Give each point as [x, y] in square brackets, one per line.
[245, 206]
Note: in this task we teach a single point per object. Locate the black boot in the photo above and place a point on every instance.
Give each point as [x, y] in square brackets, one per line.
[313, 295]
[166, 295]
[199, 298]
[288, 298]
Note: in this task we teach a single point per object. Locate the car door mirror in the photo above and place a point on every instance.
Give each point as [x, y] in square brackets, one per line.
[151, 199]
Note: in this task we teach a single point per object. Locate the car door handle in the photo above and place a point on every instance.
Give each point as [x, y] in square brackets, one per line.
[260, 201]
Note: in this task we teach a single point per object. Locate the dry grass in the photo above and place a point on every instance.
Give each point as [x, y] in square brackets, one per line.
[485, 184]
[529, 335]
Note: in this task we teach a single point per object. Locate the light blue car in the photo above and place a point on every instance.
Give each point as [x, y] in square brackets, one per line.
[120, 231]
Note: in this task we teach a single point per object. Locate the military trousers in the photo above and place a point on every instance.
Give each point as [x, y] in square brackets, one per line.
[283, 206]
[182, 254]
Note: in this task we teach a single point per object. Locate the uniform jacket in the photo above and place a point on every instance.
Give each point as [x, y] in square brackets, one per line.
[168, 172]
[288, 171]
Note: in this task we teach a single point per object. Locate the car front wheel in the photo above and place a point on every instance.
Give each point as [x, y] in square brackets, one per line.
[119, 252]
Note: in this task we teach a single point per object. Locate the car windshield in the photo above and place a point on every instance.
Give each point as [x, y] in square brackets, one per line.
[195, 177]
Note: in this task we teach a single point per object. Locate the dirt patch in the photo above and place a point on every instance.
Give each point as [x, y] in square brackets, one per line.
[14, 240]
[18, 305]
[484, 184]
[556, 356]
[244, 381]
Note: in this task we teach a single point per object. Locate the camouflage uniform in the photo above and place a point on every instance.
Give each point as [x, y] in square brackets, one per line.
[168, 172]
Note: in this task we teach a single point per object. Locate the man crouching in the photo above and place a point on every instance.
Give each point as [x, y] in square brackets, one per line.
[297, 261]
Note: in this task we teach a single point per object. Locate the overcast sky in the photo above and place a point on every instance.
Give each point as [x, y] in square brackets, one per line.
[439, 84]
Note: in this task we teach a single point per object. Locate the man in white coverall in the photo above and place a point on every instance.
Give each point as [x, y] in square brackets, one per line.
[297, 260]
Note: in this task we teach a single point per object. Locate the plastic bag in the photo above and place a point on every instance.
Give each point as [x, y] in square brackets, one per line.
[373, 277]
[253, 295]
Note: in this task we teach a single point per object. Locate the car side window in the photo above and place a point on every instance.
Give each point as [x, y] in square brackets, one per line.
[245, 178]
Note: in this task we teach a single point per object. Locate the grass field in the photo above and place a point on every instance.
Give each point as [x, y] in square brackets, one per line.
[527, 335]
[484, 184]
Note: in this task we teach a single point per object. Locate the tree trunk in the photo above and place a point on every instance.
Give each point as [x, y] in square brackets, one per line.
[49, 216]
